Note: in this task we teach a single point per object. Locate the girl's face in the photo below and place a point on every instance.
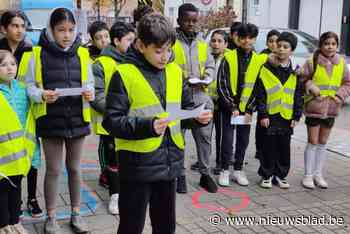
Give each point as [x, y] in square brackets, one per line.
[329, 47]
[64, 33]
[272, 43]
[101, 39]
[15, 31]
[283, 51]
[8, 69]
[218, 44]
[124, 43]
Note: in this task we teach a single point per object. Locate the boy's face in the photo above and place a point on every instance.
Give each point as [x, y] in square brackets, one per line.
[246, 43]
[272, 43]
[124, 43]
[157, 56]
[188, 22]
[64, 33]
[15, 31]
[101, 39]
[283, 51]
[218, 44]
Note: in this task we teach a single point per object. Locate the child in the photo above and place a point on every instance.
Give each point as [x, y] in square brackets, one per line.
[327, 84]
[14, 24]
[233, 40]
[271, 43]
[149, 147]
[279, 98]
[60, 62]
[236, 78]
[99, 35]
[16, 150]
[122, 36]
[193, 56]
[218, 44]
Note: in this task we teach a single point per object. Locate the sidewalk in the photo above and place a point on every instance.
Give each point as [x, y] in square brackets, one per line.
[196, 208]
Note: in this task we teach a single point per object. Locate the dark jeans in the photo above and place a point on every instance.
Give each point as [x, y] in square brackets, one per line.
[217, 124]
[32, 178]
[134, 198]
[259, 137]
[275, 159]
[10, 201]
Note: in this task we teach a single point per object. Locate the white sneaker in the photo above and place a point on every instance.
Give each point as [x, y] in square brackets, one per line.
[320, 182]
[19, 229]
[282, 183]
[113, 207]
[224, 178]
[308, 182]
[266, 183]
[240, 178]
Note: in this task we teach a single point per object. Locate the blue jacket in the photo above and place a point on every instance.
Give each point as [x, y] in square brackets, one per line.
[19, 101]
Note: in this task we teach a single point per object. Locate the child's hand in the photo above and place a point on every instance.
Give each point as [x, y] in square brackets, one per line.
[205, 117]
[265, 122]
[248, 118]
[50, 96]
[293, 124]
[337, 100]
[235, 113]
[88, 96]
[160, 125]
[315, 91]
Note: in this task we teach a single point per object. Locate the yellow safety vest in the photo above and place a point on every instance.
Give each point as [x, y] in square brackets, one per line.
[251, 74]
[109, 67]
[23, 65]
[280, 98]
[180, 56]
[39, 109]
[17, 143]
[144, 103]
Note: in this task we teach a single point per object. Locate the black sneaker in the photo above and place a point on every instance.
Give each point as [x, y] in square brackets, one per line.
[34, 208]
[195, 166]
[208, 184]
[181, 184]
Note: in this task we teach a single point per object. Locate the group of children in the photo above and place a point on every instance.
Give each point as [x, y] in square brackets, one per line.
[130, 84]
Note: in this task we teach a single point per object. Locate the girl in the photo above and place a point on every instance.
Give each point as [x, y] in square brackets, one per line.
[15, 150]
[13, 24]
[60, 62]
[327, 84]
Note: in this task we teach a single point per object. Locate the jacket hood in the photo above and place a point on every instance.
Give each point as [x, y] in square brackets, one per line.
[187, 38]
[112, 52]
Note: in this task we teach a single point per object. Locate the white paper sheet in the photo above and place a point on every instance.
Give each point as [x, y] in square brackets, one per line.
[198, 81]
[239, 120]
[70, 91]
[179, 114]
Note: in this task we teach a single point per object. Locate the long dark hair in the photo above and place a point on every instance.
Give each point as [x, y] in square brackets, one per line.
[7, 17]
[61, 14]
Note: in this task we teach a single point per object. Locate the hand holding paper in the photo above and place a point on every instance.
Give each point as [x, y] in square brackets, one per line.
[70, 91]
[205, 117]
[198, 81]
[179, 114]
[240, 120]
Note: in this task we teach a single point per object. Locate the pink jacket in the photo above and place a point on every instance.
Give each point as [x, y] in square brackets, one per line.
[324, 107]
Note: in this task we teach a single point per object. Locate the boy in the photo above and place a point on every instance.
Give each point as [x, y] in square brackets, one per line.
[122, 35]
[233, 40]
[271, 43]
[99, 34]
[218, 45]
[149, 147]
[280, 103]
[236, 78]
[193, 56]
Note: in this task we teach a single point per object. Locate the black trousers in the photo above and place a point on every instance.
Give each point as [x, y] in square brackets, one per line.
[32, 179]
[109, 162]
[134, 198]
[217, 123]
[10, 201]
[259, 137]
[275, 159]
[226, 141]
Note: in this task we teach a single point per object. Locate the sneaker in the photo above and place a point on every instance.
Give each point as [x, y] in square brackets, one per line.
[224, 178]
[19, 229]
[181, 184]
[195, 166]
[320, 182]
[51, 226]
[6, 230]
[103, 180]
[113, 207]
[282, 183]
[217, 170]
[34, 208]
[208, 184]
[308, 182]
[240, 178]
[78, 224]
[266, 183]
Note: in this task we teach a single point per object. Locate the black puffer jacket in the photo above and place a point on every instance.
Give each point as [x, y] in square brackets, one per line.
[165, 163]
[23, 46]
[61, 69]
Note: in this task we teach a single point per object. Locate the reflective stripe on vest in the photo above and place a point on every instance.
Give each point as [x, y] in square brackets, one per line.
[144, 103]
[14, 157]
[39, 109]
[109, 67]
[280, 98]
[23, 65]
[200, 56]
[251, 74]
